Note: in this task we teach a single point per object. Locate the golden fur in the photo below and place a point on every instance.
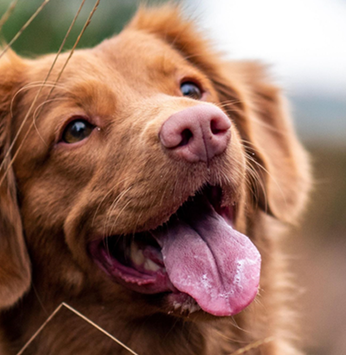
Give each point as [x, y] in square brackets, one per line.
[54, 199]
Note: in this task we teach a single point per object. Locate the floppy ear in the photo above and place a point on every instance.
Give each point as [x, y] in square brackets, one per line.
[15, 275]
[257, 108]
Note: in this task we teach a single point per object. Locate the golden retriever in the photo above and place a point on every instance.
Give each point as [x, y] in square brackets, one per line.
[148, 188]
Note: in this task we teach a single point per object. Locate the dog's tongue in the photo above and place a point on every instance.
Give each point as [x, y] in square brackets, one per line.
[210, 261]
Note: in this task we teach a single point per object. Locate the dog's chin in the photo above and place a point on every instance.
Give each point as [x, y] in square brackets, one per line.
[196, 261]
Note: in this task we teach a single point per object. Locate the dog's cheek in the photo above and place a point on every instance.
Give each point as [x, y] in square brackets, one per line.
[48, 189]
[45, 201]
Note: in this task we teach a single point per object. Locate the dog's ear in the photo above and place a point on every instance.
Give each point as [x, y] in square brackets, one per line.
[168, 23]
[281, 178]
[15, 275]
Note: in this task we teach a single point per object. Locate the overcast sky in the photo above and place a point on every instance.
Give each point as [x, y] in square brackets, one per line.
[304, 40]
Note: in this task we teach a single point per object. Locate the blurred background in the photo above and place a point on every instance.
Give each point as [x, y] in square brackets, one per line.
[304, 42]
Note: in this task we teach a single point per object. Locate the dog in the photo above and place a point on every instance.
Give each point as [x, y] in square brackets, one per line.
[148, 187]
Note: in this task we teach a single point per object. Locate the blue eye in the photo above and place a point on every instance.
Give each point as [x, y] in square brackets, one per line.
[76, 131]
[191, 90]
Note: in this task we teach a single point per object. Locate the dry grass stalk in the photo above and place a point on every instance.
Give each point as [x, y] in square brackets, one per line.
[8, 13]
[45, 2]
[241, 351]
[253, 346]
[79, 315]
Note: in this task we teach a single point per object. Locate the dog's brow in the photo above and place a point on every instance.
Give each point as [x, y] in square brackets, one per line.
[93, 96]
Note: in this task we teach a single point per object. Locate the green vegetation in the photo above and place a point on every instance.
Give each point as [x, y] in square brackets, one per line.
[47, 31]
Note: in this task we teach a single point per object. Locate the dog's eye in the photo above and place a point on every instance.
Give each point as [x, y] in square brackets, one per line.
[191, 90]
[77, 130]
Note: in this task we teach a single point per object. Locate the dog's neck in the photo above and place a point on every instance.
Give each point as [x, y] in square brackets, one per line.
[158, 333]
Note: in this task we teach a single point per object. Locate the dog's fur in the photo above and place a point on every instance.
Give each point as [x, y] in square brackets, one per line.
[55, 198]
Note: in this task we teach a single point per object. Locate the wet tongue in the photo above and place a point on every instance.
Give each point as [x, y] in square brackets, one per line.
[210, 261]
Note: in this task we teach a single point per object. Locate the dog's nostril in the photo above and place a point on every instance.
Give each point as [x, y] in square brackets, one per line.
[215, 127]
[186, 135]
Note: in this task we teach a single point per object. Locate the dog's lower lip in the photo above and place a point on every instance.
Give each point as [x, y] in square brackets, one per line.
[141, 270]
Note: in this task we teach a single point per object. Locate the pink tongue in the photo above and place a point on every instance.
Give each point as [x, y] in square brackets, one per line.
[213, 263]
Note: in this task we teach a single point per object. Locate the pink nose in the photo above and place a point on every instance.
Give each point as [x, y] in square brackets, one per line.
[196, 133]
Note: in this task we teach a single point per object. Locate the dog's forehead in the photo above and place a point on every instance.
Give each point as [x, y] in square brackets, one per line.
[130, 65]
[133, 62]
[132, 57]
[135, 52]
[139, 47]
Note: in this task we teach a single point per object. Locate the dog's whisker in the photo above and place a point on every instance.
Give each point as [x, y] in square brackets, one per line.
[140, 215]
[267, 126]
[119, 214]
[251, 183]
[100, 204]
[113, 206]
[257, 181]
[251, 146]
[230, 104]
[250, 158]
[111, 190]
[116, 221]
[249, 178]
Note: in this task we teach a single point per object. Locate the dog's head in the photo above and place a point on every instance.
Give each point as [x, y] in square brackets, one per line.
[138, 173]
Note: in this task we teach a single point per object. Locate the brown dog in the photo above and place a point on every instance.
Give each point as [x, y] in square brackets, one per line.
[134, 192]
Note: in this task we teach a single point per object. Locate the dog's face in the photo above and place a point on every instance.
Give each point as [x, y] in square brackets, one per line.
[139, 175]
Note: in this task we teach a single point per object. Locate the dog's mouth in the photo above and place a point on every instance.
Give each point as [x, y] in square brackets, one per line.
[196, 257]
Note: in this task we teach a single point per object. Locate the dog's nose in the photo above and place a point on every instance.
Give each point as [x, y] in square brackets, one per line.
[196, 133]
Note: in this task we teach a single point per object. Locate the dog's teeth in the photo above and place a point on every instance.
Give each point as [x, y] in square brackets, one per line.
[150, 265]
[139, 259]
[137, 256]
[176, 305]
[188, 306]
